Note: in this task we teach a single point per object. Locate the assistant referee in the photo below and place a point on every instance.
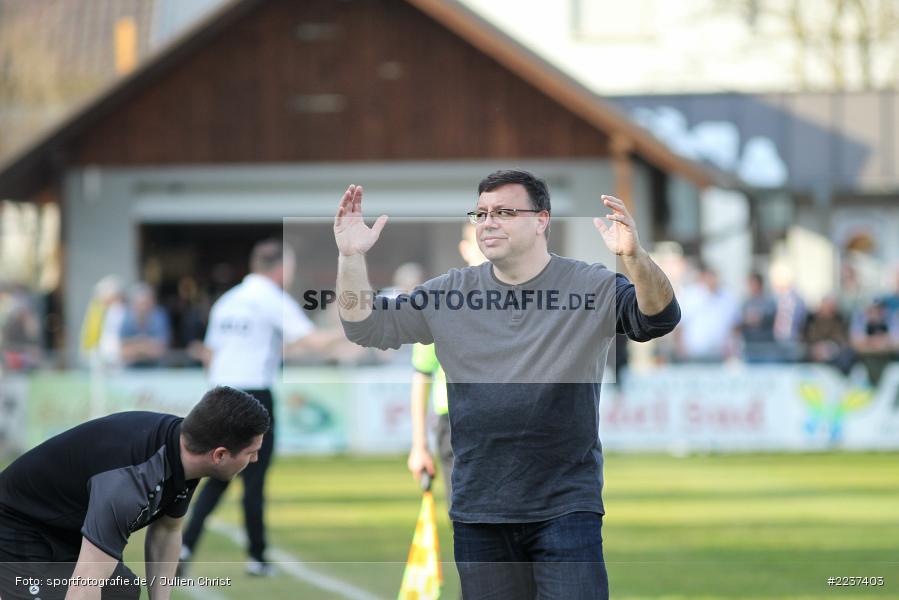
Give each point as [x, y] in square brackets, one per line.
[249, 328]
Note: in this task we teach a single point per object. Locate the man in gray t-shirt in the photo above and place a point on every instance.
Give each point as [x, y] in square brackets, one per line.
[523, 340]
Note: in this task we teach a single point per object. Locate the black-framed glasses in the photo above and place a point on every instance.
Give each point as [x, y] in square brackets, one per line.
[477, 217]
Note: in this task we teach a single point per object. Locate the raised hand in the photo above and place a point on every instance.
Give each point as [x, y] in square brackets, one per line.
[621, 236]
[351, 233]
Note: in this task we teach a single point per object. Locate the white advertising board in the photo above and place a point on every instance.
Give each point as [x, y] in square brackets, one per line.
[678, 409]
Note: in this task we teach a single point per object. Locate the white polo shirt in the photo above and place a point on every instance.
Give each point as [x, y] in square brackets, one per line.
[248, 327]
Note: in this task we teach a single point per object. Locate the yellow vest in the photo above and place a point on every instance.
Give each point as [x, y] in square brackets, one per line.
[424, 360]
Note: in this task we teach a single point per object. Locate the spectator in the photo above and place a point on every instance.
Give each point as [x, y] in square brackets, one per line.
[852, 297]
[709, 315]
[757, 322]
[875, 337]
[405, 278]
[826, 336]
[145, 329]
[20, 332]
[789, 315]
[190, 312]
[101, 328]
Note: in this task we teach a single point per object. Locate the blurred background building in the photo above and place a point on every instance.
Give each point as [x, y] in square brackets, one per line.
[155, 141]
[266, 109]
[710, 46]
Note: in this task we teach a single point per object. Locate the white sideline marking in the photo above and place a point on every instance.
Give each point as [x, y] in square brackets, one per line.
[293, 566]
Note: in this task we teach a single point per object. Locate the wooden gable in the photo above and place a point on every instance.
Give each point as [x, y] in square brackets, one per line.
[334, 80]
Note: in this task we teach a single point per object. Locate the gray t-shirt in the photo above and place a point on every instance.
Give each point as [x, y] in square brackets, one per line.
[523, 365]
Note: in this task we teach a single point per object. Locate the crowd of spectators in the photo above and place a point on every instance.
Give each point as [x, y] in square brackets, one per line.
[770, 323]
[775, 325]
[129, 328]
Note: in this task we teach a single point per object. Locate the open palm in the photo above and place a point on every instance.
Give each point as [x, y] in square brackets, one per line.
[621, 236]
[351, 233]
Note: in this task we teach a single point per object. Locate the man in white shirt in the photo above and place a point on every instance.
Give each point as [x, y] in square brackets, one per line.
[250, 326]
[710, 315]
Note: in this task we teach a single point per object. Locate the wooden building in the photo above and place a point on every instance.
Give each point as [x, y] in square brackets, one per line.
[267, 109]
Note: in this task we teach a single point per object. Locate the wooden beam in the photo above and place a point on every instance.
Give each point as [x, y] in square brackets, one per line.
[623, 169]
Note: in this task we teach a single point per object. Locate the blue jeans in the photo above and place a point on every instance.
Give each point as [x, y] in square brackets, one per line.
[556, 559]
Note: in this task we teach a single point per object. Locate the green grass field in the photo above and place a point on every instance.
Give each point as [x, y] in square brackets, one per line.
[751, 526]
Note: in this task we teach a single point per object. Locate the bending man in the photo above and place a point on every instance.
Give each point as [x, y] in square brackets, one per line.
[69, 505]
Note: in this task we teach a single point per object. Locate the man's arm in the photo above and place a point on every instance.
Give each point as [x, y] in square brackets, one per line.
[161, 549]
[300, 335]
[395, 323]
[654, 291]
[353, 287]
[92, 563]
[354, 239]
[419, 456]
[199, 351]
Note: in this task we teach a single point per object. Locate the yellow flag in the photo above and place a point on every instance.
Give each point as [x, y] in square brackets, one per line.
[423, 576]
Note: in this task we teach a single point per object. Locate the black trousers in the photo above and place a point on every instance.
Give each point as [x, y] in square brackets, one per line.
[253, 492]
[35, 565]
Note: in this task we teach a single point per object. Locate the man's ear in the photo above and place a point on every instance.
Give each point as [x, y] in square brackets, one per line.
[219, 454]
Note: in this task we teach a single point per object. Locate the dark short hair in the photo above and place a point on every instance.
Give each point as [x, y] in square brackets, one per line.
[266, 255]
[224, 417]
[536, 188]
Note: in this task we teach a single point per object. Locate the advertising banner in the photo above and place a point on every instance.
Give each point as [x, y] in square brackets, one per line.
[757, 408]
[679, 409]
